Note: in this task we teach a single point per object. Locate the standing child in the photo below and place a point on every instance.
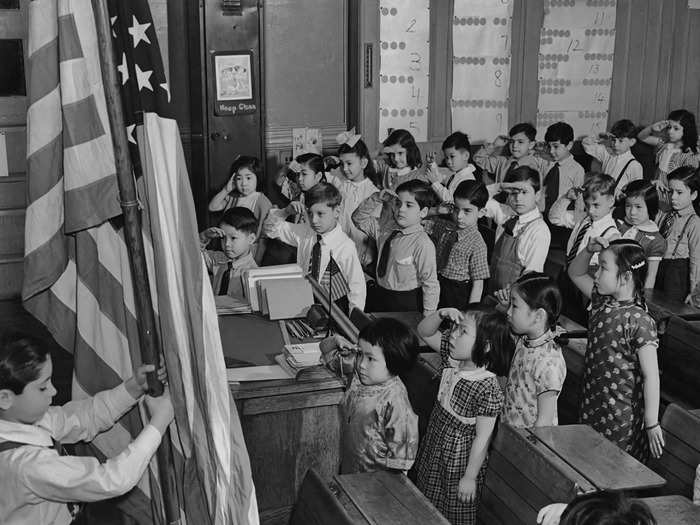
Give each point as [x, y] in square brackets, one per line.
[613, 151]
[452, 458]
[406, 269]
[462, 262]
[237, 233]
[37, 484]
[380, 429]
[242, 190]
[522, 146]
[679, 271]
[355, 185]
[538, 370]
[564, 173]
[322, 247]
[620, 397]
[456, 149]
[641, 204]
[676, 143]
[404, 160]
[522, 239]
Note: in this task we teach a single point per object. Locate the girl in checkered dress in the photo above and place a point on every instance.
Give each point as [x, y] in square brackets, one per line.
[452, 458]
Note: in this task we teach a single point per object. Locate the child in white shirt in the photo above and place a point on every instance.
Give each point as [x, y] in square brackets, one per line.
[456, 150]
[38, 485]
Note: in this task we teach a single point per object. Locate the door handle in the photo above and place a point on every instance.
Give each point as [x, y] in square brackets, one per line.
[215, 135]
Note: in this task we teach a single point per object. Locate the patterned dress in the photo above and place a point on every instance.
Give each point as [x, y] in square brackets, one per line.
[380, 428]
[538, 366]
[444, 453]
[612, 401]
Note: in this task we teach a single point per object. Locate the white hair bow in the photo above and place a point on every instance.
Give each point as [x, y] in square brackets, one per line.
[348, 137]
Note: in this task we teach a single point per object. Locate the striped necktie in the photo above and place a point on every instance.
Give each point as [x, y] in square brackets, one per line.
[315, 263]
[577, 242]
[667, 223]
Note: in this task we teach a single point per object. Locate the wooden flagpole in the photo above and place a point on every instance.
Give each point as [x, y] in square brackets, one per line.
[145, 317]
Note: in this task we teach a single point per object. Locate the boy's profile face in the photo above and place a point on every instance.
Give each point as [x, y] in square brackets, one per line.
[522, 196]
[558, 150]
[322, 217]
[407, 211]
[308, 178]
[599, 206]
[621, 145]
[456, 159]
[520, 145]
[465, 213]
[31, 405]
[235, 242]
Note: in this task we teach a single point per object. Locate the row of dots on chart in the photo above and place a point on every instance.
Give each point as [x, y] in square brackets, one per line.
[457, 103]
[393, 79]
[403, 112]
[545, 119]
[480, 61]
[478, 21]
[554, 82]
[572, 3]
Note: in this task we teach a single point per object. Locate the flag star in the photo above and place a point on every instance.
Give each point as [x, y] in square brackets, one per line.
[138, 31]
[130, 132]
[143, 78]
[165, 86]
[113, 21]
[123, 69]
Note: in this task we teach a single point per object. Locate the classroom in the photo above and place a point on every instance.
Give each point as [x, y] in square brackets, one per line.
[362, 262]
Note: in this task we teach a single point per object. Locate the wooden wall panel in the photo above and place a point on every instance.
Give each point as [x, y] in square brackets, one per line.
[656, 67]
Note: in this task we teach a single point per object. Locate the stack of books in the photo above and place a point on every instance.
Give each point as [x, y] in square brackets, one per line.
[302, 355]
[227, 305]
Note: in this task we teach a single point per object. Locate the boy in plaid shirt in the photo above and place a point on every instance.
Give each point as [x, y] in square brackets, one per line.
[461, 251]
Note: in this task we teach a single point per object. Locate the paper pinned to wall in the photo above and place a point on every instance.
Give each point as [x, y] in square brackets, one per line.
[4, 170]
[481, 42]
[306, 140]
[404, 30]
[577, 46]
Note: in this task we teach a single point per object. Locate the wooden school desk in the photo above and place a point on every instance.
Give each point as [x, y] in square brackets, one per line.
[675, 510]
[289, 425]
[661, 308]
[598, 460]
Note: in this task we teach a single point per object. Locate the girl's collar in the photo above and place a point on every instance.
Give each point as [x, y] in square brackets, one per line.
[539, 341]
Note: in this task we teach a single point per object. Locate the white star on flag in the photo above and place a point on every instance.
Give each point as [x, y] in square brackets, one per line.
[143, 78]
[138, 31]
[165, 86]
[123, 69]
[130, 133]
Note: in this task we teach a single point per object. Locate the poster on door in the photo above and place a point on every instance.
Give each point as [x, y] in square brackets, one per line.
[481, 42]
[575, 65]
[404, 30]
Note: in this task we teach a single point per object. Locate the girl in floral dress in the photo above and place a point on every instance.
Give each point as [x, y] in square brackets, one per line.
[452, 458]
[538, 370]
[620, 397]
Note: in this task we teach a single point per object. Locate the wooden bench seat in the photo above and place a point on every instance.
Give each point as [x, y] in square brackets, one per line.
[682, 451]
[675, 510]
[679, 360]
[317, 505]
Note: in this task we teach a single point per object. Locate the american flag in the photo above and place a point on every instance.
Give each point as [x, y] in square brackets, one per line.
[77, 275]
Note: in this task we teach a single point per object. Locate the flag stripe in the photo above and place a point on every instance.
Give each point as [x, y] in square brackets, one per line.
[69, 44]
[81, 122]
[43, 116]
[43, 25]
[42, 72]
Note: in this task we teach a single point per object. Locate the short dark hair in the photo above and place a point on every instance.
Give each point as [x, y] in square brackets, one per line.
[630, 257]
[599, 183]
[524, 174]
[690, 131]
[624, 129]
[493, 345]
[539, 290]
[690, 176]
[240, 218]
[323, 192]
[473, 191]
[21, 357]
[421, 190]
[646, 190]
[398, 343]
[458, 141]
[313, 161]
[524, 127]
[404, 139]
[606, 508]
[559, 131]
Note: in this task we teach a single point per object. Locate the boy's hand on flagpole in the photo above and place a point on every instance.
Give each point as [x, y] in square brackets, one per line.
[160, 410]
[138, 384]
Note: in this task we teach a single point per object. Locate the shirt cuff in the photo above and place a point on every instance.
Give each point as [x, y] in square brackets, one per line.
[121, 399]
